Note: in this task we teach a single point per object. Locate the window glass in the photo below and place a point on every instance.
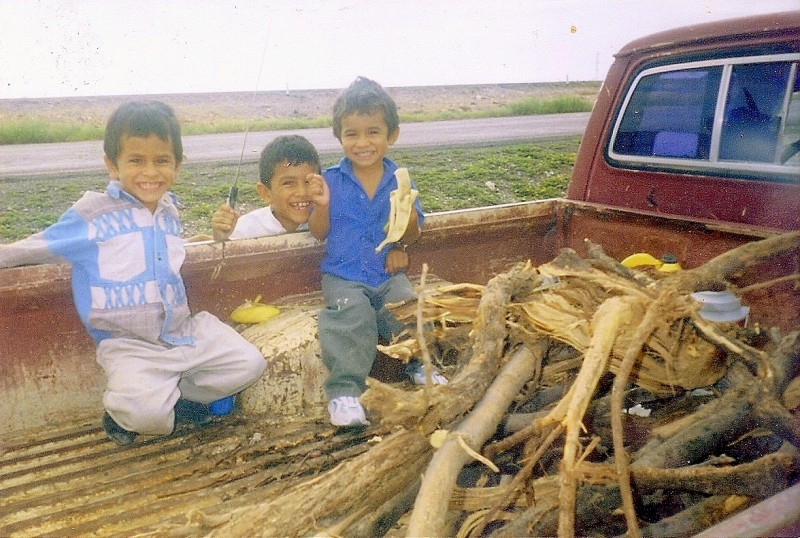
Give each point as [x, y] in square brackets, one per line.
[671, 119]
[753, 112]
[670, 115]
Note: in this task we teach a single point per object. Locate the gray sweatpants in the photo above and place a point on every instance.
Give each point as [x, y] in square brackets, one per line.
[145, 380]
[350, 325]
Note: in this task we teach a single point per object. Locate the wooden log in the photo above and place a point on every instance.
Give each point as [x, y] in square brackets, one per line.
[761, 478]
[704, 431]
[440, 477]
[732, 262]
[697, 517]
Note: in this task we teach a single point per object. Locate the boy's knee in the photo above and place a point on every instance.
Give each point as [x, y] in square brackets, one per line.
[253, 361]
[257, 365]
[145, 417]
[247, 370]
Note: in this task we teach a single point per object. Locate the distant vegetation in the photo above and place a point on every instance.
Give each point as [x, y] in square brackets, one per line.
[37, 131]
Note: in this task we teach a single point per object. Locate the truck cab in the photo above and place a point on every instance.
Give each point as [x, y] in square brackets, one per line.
[703, 122]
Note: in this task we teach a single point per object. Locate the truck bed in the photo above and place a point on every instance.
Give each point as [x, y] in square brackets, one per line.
[69, 479]
[60, 475]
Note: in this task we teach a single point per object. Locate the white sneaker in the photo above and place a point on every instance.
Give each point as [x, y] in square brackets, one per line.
[417, 375]
[346, 411]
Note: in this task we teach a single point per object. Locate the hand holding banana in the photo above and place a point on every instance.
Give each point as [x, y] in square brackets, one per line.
[401, 205]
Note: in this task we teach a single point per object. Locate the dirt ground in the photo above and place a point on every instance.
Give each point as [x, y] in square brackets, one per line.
[213, 107]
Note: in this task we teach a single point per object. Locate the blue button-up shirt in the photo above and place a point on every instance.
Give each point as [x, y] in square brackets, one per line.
[357, 225]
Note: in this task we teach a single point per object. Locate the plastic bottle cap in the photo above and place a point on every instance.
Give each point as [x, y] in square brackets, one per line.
[721, 307]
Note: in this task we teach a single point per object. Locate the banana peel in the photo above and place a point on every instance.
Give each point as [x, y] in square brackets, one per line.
[254, 311]
[401, 204]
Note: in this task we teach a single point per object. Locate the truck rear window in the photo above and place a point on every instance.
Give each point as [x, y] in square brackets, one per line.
[736, 117]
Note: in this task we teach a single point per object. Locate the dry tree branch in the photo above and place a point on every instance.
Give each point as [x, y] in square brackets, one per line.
[423, 345]
[768, 283]
[681, 283]
[515, 488]
[638, 339]
[440, 477]
[613, 315]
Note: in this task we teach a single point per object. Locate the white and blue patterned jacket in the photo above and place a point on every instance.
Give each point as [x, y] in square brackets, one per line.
[125, 262]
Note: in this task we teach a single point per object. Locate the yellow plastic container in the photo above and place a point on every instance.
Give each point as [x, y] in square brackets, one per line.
[641, 259]
[667, 264]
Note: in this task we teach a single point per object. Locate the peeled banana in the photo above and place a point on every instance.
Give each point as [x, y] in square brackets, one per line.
[254, 311]
[401, 204]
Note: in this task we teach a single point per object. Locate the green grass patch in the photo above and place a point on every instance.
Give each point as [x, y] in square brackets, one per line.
[447, 179]
[36, 131]
[526, 107]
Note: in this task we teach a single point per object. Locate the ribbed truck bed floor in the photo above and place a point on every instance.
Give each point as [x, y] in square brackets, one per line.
[73, 481]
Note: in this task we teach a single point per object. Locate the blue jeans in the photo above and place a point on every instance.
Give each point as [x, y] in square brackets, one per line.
[350, 325]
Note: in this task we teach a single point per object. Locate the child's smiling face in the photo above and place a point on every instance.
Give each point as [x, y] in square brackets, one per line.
[288, 194]
[365, 139]
[146, 167]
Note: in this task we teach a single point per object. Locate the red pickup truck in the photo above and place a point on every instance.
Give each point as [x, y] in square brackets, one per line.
[691, 149]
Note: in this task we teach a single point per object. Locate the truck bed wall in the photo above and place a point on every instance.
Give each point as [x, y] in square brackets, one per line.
[47, 367]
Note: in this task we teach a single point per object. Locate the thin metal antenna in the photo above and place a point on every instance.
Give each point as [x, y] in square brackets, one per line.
[234, 191]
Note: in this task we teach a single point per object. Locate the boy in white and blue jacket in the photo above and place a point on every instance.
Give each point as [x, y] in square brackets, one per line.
[126, 253]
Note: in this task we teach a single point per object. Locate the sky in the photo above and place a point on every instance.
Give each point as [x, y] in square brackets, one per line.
[55, 48]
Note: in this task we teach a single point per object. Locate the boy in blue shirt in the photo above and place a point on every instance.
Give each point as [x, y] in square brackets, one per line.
[351, 209]
[162, 364]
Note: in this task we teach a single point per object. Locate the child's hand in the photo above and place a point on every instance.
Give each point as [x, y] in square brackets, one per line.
[223, 221]
[396, 261]
[318, 190]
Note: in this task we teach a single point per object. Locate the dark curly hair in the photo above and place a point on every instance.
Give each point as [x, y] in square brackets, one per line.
[364, 96]
[294, 149]
[142, 118]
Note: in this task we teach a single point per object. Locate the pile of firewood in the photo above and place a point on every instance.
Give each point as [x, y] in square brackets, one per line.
[585, 399]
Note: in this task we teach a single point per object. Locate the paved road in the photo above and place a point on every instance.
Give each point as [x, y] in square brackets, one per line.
[27, 159]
